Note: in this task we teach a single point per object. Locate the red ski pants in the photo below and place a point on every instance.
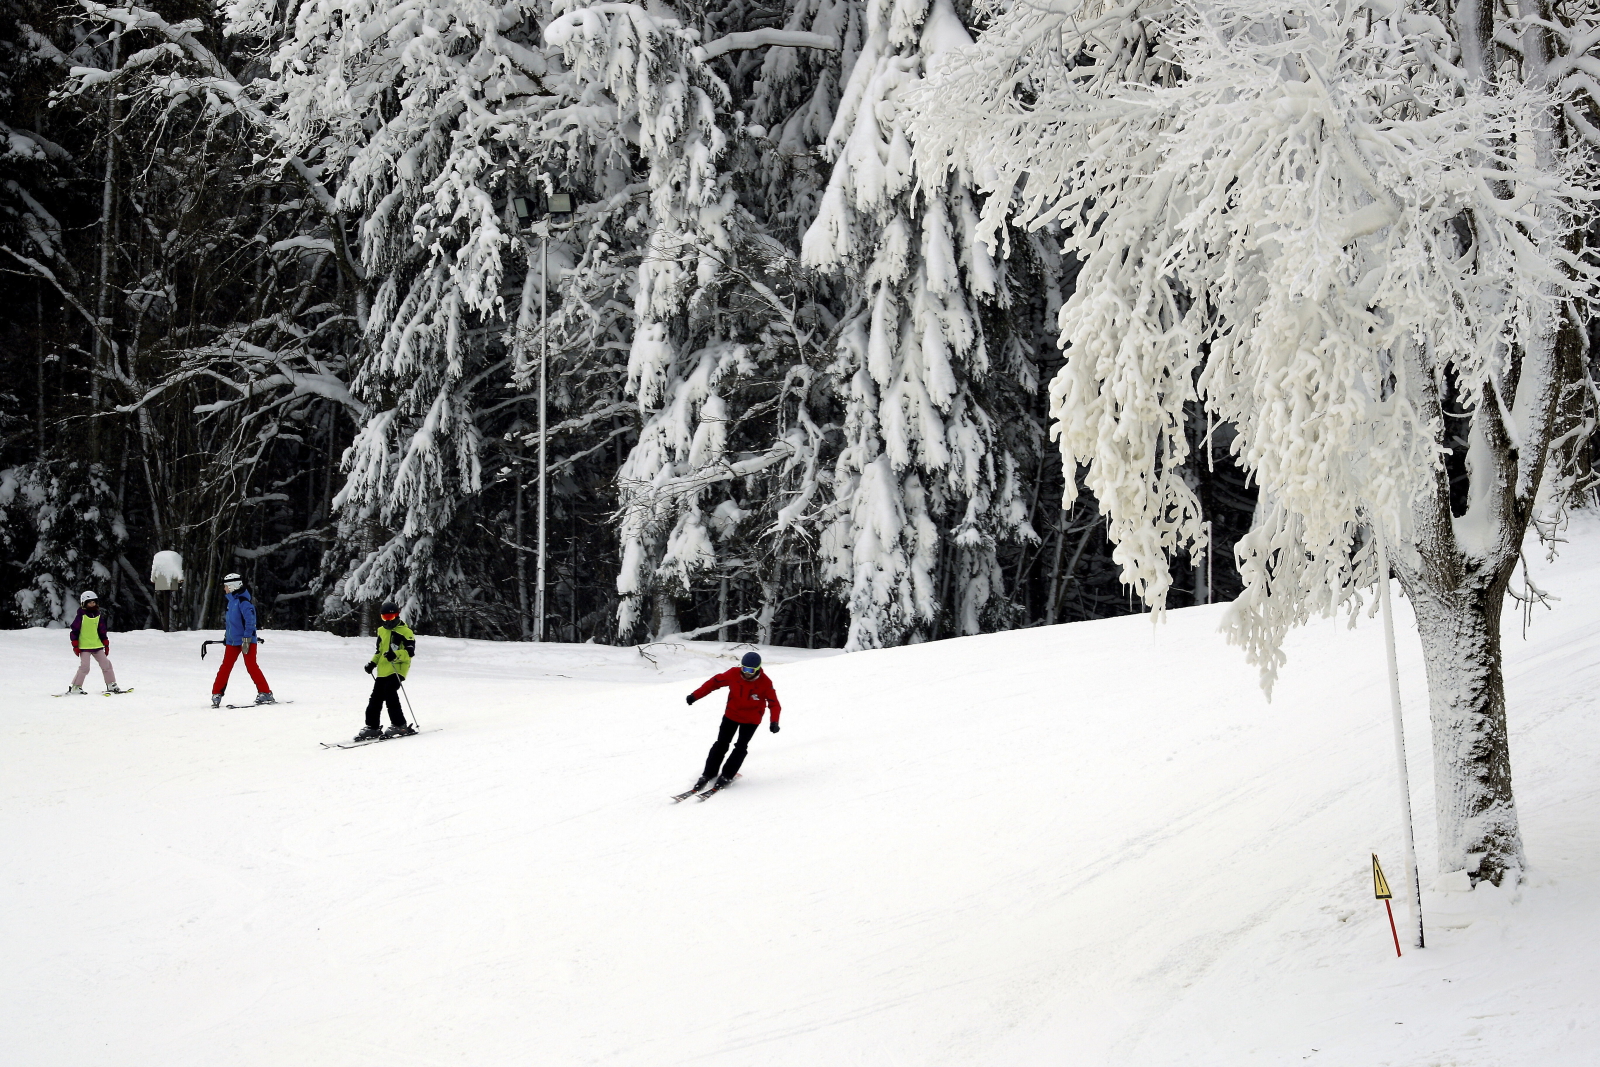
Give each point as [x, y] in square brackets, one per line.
[231, 653]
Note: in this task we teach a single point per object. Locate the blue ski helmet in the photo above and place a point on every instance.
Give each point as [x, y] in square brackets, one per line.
[751, 661]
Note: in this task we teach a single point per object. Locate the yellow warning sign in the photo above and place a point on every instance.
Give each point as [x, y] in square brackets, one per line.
[1380, 884]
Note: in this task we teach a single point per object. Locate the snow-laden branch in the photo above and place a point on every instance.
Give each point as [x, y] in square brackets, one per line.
[650, 497]
[690, 635]
[738, 42]
[318, 534]
[326, 386]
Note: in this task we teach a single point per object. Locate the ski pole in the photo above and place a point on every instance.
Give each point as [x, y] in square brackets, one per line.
[203, 645]
[414, 724]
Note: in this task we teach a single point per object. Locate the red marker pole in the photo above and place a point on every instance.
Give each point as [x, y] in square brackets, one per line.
[1381, 890]
[1392, 929]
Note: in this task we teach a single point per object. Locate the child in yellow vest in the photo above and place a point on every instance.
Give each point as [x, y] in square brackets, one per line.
[91, 640]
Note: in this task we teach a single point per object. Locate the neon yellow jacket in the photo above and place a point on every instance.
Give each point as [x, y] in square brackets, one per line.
[396, 645]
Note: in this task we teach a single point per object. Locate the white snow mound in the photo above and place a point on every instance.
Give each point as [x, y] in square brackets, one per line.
[1091, 844]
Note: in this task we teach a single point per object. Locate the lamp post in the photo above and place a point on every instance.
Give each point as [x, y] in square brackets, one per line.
[555, 205]
[1413, 879]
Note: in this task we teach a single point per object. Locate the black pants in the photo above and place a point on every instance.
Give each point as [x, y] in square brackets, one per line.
[385, 691]
[714, 758]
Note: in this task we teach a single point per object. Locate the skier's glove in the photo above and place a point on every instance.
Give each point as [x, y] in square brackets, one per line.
[774, 727]
[389, 655]
[370, 667]
[689, 699]
[76, 651]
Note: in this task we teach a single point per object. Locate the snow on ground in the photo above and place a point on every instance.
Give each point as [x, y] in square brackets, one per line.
[1092, 844]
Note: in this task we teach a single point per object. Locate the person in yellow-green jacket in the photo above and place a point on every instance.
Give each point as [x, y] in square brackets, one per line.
[397, 643]
[91, 640]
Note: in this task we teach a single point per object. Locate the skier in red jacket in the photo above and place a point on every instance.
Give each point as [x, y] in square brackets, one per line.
[750, 693]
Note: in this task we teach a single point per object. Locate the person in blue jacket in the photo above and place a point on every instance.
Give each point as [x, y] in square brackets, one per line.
[240, 639]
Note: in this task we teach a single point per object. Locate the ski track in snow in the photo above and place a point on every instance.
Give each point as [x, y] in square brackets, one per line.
[1089, 844]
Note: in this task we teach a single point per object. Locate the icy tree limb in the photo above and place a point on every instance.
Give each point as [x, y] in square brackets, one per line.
[738, 42]
[49, 276]
[690, 635]
[267, 550]
[222, 81]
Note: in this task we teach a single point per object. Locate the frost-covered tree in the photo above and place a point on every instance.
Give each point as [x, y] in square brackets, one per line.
[1354, 232]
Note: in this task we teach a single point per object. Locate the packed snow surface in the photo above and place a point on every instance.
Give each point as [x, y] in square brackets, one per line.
[1091, 844]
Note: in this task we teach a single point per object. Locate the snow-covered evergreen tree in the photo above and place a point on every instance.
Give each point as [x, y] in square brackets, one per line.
[717, 361]
[63, 521]
[417, 118]
[924, 489]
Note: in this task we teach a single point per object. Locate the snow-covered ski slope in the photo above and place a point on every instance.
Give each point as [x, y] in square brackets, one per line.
[1087, 845]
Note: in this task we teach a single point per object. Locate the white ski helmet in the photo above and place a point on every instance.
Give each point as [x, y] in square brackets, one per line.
[87, 595]
[232, 582]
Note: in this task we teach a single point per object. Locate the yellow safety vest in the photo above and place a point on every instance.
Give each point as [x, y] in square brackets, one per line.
[89, 633]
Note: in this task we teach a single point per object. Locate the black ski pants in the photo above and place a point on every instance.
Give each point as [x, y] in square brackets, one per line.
[385, 691]
[745, 730]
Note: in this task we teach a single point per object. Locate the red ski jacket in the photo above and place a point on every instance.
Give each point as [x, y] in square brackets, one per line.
[746, 700]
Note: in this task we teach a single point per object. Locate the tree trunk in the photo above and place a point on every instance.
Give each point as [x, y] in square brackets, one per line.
[722, 607]
[1063, 520]
[101, 350]
[769, 609]
[666, 617]
[1460, 629]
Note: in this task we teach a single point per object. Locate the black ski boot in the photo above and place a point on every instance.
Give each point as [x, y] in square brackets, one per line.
[403, 730]
[717, 786]
[369, 733]
[693, 789]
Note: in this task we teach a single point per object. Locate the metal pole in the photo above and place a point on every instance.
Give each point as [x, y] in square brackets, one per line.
[409, 708]
[1211, 468]
[1412, 878]
[544, 347]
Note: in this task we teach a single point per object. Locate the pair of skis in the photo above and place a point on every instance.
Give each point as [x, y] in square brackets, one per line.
[704, 794]
[104, 693]
[376, 740]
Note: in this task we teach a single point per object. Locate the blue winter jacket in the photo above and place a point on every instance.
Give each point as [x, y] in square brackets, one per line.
[241, 618]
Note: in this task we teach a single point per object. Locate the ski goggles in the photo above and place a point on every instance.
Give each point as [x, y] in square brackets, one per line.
[390, 618]
[749, 672]
[232, 587]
